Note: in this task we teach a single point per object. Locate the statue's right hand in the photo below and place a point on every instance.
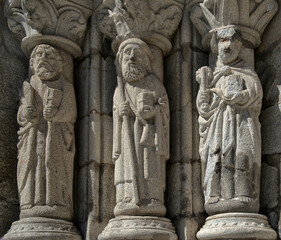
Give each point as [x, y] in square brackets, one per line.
[29, 112]
[124, 109]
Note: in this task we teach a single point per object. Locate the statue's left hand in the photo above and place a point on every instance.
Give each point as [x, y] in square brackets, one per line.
[49, 111]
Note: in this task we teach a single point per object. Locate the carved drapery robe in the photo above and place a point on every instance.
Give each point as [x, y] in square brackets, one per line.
[230, 139]
[149, 143]
[46, 150]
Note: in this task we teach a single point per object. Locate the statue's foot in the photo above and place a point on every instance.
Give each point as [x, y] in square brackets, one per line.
[244, 199]
[125, 208]
[26, 207]
[212, 200]
[154, 202]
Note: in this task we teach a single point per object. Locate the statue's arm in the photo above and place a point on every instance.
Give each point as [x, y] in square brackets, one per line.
[27, 109]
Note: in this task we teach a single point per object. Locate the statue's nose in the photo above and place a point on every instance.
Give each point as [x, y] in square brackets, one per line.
[132, 56]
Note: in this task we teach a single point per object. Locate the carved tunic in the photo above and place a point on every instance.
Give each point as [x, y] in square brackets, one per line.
[46, 150]
[230, 143]
[149, 140]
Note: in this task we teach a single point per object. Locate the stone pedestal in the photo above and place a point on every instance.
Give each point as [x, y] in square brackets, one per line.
[139, 228]
[236, 226]
[43, 229]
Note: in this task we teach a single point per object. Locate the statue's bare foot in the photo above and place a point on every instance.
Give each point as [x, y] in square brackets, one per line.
[244, 199]
[213, 200]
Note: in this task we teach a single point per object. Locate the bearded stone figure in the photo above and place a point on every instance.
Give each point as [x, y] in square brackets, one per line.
[141, 133]
[229, 103]
[46, 137]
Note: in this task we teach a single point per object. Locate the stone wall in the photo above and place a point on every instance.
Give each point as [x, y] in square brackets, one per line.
[95, 82]
[268, 57]
[13, 70]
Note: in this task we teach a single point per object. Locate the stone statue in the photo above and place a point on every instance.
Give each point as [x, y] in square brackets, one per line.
[141, 133]
[229, 103]
[46, 137]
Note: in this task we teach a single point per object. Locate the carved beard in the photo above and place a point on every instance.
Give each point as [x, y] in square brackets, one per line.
[45, 71]
[134, 73]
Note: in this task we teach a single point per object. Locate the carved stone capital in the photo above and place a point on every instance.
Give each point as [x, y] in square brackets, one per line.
[59, 23]
[250, 18]
[152, 21]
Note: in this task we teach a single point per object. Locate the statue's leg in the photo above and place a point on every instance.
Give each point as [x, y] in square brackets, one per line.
[243, 185]
[40, 185]
[227, 175]
[215, 183]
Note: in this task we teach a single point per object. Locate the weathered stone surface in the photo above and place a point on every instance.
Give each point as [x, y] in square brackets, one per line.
[237, 226]
[42, 228]
[229, 101]
[271, 125]
[154, 22]
[139, 227]
[46, 147]
[188, 227]
[139, 152]
[13, 71]
[269, 186]
[8, 161]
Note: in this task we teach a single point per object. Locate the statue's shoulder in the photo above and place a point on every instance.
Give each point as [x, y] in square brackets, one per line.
[155, 83]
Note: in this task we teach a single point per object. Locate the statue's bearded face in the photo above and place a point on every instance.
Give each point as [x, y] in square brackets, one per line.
[134, 63]
[47, 63]
[228, 49]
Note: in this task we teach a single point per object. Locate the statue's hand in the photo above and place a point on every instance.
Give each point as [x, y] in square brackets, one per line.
[49, 111]
[203, 75]
[237, 98]
[124, 109]
[29, 113]
[147, 112]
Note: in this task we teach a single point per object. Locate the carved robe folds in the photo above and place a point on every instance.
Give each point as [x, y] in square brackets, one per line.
[150, 142]
[230, 139]
[46, 149]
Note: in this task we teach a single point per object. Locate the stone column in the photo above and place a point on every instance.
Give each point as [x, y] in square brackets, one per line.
[46, 116]
[141, 32]
[229, 103]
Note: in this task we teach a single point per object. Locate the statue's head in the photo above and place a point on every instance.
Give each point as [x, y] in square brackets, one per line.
[227, 43]
[134, 60]
[46, 62]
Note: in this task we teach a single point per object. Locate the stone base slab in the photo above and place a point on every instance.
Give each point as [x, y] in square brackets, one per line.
[237, 226]
[139, 228]
[43, 229]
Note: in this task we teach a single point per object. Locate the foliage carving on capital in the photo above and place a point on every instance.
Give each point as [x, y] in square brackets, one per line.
[251, 17]
[134, 18]
[31, 17]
